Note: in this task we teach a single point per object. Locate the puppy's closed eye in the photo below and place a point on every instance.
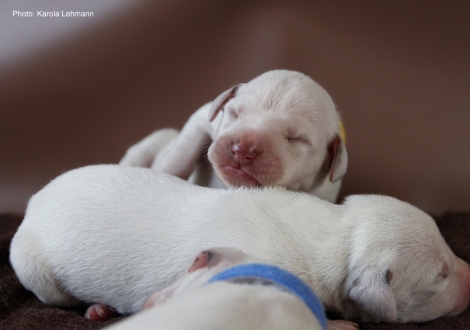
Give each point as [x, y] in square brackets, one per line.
[297, 139]
[232, 113]
[388, 276]
[444, 271]
[293, 139]
[293, 136]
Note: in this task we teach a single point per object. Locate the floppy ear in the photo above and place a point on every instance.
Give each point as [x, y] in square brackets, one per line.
[369, 288]
[221, 100]
[204, 259]
[339, 158]
[159, 297]
[201, 261]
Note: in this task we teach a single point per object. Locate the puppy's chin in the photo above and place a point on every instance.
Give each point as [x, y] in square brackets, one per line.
[236, 177]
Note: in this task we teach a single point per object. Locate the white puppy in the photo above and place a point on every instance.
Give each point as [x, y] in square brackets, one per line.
[239, 296]
[280, 129]
[113, 235]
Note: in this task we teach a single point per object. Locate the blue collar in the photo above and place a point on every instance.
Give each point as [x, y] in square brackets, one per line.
[280, 277]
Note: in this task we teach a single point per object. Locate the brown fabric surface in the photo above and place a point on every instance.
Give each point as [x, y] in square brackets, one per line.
[20, 309]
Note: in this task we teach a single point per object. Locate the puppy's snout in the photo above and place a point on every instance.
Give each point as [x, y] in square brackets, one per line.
[245, 149]
[243, 153]
[463, 276]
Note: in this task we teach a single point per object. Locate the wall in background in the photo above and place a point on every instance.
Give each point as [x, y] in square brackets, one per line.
[397, 71]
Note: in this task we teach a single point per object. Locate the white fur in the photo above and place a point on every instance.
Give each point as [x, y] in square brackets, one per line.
[228, 306]
[284, 118]
[192, 304]
[112, 235]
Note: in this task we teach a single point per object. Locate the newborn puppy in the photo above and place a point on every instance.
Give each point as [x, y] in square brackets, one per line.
[113, 235]
[280, 129]
[221, 293]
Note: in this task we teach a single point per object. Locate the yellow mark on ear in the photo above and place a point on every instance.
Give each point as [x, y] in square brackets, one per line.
[342, 131]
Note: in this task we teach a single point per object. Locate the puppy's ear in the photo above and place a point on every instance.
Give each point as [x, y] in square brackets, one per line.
[370, 289]
[204, 259]
[214, 256]
[158, 297]
[221, 100]
[338, 158]
[201, 261]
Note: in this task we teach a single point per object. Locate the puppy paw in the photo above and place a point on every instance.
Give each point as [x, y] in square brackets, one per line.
[341, 325]
[99, 312]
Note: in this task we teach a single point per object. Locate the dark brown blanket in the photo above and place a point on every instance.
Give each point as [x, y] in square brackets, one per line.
[20, 309]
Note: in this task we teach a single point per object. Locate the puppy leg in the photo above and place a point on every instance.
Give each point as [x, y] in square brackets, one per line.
[33, 271]
[182, 156]
[341, 325]
[100, 312]
[144, 153]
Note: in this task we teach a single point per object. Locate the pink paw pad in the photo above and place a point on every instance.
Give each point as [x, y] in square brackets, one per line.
[99, 312]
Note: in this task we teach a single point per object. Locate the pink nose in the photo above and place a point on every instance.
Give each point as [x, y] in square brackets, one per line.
[463, 273]
[243, 152]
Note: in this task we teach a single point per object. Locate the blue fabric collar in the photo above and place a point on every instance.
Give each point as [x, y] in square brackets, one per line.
[280, 277]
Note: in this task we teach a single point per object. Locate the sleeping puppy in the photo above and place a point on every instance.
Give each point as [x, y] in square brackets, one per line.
[280, 129]
[224, 289]
[113, 235]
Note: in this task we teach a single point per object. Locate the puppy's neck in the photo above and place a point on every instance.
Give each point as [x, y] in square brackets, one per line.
[270, 275]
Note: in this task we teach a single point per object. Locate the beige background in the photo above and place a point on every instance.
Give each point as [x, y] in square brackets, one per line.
[81, 91]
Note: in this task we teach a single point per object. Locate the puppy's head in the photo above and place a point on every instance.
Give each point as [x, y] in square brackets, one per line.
[205, 266]
[281, 128]
[401, 269]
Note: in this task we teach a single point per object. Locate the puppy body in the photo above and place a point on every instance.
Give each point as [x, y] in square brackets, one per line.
[191, 303]
[227, 306]
[280, 129]
[113, 235]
